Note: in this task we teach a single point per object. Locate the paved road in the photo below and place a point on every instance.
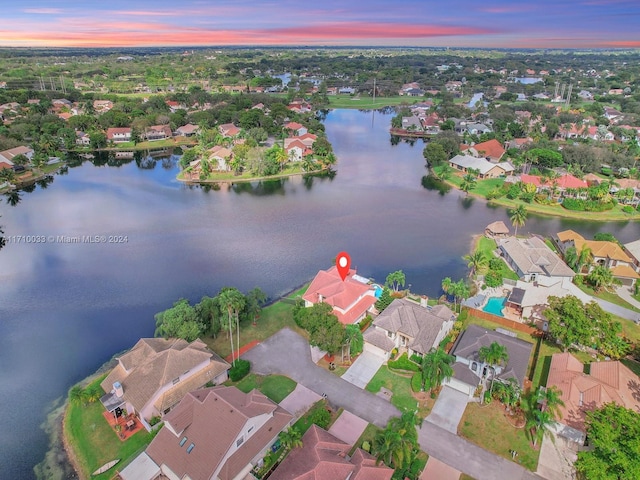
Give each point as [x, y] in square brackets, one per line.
[468, 457]
[287, 353]
[617, 309]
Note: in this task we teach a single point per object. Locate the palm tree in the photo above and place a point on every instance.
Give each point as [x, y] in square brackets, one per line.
[291, 438]
[282, 157]
[460, 290]
[476, 260]
[447, 283]
[468, 183]
[395, 444]
[232, 301]
[584, 258]
[518, 217]
[493, 355]
[436, 368]
[537, 420]
[571, 258]
[76, 395]
[600, 277]
[551, 400]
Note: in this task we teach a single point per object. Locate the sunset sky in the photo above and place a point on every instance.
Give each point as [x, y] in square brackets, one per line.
[455, 23]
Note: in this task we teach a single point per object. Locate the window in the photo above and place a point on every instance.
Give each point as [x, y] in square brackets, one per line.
[250, 429]
[190, 447]
[176, 380]
[183, 441]
[240, 441]
[474, 366]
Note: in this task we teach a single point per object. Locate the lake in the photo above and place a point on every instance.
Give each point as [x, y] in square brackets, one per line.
[65, 308]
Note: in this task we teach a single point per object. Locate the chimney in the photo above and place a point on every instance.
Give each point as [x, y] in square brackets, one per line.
[118, 390]
[423, 301]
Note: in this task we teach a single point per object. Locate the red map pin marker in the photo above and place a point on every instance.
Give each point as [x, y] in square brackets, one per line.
[343, 262]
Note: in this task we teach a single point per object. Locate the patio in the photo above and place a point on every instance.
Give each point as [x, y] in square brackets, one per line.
[123, 426]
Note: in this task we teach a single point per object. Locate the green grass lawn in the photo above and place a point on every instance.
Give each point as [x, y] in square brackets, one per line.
[487, 427]
[95, 443]
[304, 423]
[398, 384]
[632, 365]
[276, 387]
[368, 435]
[347, 101]
[488, 246]
[294, 168]
[608, 296]
[272, 319]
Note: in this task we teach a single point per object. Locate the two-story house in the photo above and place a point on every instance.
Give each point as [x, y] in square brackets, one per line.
[217, 433]
[119, 134]
[152, 377]
[408, 326]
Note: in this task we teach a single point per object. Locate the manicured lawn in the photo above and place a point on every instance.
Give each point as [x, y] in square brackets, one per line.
[347, 101]
[368, 435]
[294, 168]
[276, 387]
[629, 329]
[272, 319]
[487, 427]
[398, 384]
[637, 295]
[608, 296]
[632, 365]
[94, 441]
[304, 423]
[488, 246]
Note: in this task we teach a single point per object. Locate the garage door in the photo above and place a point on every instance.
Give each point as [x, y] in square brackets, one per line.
[368, 347]
[460, 386]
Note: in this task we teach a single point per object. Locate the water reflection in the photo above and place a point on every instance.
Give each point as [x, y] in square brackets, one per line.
[431, 182]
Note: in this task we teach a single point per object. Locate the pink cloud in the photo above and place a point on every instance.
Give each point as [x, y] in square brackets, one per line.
[43, 11]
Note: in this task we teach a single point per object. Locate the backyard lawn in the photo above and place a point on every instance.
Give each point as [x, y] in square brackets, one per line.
[347, 101]
[95, 443]
[272, 319]
[276, 387]
[488, 246]
[487, 427]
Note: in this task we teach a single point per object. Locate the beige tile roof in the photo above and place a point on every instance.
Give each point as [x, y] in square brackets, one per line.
[153, 363]
[212, 419]
[599, 248]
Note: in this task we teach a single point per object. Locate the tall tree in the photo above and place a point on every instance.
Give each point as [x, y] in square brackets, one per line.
[291, 438]
[179, 321]
[518, 217]
[255, 299]
[475, 260]
[550, 399]
[353, 340]
[614, 438]
[600, 278]
[232, 301]
[469, 181]
[436, 368]
[494, 355]
[395, 280]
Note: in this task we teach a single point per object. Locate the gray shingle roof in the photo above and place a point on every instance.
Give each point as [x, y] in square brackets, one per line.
[474, 337]
[532, 255]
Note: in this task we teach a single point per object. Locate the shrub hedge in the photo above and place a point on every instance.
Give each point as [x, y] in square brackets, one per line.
[239, 369]
[403, 363]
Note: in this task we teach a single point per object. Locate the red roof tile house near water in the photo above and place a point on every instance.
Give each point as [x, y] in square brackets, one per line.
[323, 457]
[351, 299]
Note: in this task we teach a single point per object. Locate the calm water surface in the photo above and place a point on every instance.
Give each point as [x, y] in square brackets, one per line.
[67, 308]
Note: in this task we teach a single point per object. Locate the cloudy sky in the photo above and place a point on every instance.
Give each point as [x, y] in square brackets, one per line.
[455, 23]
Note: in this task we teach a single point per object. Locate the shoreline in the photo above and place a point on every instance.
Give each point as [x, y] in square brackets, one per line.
[560, 213]
[246, 180]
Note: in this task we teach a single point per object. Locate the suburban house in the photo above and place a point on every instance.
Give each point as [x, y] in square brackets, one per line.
[410, 327]
[119, 134]
[102, 106]
[485, 168]
[608, 254]
[158, 132]
[187, 130]
[633, 250]
[477, 128]
[612, 114]
[295, 128]
[228, 130]
[562, 183]
[7, 156]
[469, 369]
[351, 299]
[215, 433]
[83, 139]
[492, 150]
[296, 150]
[606, 382]
[152, 377]
[531, 258]
[324, 457]
[221, 155]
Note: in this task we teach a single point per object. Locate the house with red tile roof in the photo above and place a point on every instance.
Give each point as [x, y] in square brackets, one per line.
[119, 134]
[295, 128]
[221, 155]
[606, 382]
[324, 457]
[297, 150]
[351, 299]
[214, 433]
[228, 130]
[562, 183]
[492, 150]
[187, 130]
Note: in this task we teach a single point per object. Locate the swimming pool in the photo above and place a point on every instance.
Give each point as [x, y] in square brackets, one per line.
[495, 305]
[378, 290]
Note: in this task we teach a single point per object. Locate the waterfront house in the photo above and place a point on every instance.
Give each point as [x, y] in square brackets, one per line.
[606, 382]
[82, 139]
[485, 168]
[351, 299]
[215, 433]
[119, 134]
[7, 156]
[221, 155]
[158, 132]
[295, 128]
[187, 130]
[324, 457]
[409, 326]
[605, 253]
[632, 249]
[469, 369]
[296, 150]
[152, 377]
[531, 258]
[492, 150]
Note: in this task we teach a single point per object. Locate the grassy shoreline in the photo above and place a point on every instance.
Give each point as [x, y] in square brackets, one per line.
[231, 178]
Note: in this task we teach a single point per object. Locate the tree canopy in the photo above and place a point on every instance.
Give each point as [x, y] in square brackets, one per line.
[180, 321]
[325, 331]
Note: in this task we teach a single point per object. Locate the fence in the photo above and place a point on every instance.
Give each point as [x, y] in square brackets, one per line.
[520, 327]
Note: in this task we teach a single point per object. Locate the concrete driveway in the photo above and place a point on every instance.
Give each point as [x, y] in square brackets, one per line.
[557, 456]
[348, 427]
[300, 400]
[437, 470]
[363, 369]
[287, 353]
[448, 409]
